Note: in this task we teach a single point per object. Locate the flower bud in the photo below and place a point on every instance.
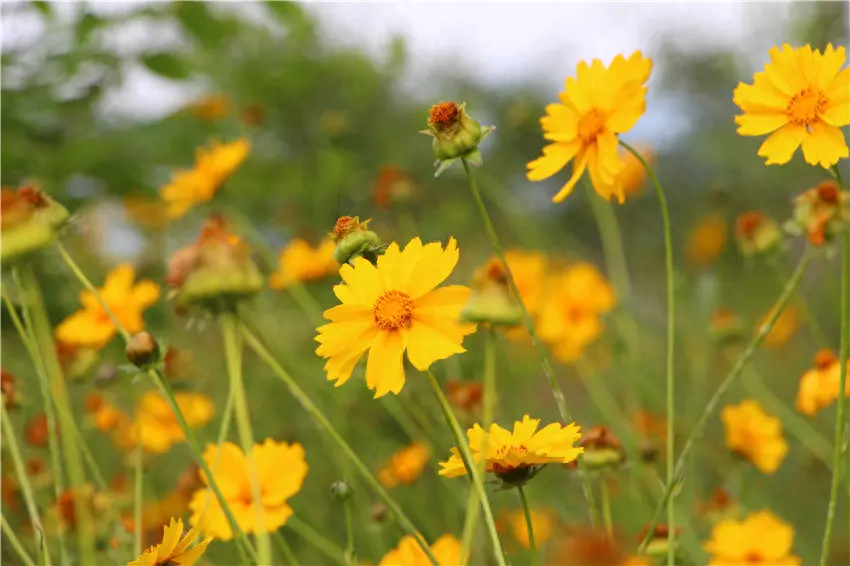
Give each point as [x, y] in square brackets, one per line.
[379, 512]
[455, 134]
[725, 325]
[602, 449]
[491, 300]
[658, 542]
[341, 490]
[142, 350]
[756, 233]
[821, 213]
[353, 239]
[28, 221]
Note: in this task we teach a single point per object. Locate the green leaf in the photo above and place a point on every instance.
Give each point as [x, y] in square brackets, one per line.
[44, 7]
[287, 12]
[166, 65]
[87, 24]
[198, 22]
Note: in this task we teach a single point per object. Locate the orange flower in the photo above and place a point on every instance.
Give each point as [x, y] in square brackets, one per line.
[405, 466]
[465, 396]
[213, 107]
[37, 432]
[300, 262]
[784, 328]
[543, 523]
[155, 424]
[393, 185]
[754, 435]
[819, 386]
[707, 240]
[821, 213]
[756, 232]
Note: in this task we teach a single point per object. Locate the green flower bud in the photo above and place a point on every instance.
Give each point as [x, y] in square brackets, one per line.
[491, 303]
[341, 490]
[29, 221]
[353, 239]
[455, 134]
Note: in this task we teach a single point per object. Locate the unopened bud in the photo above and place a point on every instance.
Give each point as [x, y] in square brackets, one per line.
[354, 239]
[456, 135]
[491, 300]
[756, 233]
[658, 542]
[602, 449]
[379, 512]
[341, 490]
[142, 350]
[821, 213]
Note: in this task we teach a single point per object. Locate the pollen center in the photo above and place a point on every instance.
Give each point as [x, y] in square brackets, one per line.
[805, 107]
[591, 125]
[393, 311]
[754, 557]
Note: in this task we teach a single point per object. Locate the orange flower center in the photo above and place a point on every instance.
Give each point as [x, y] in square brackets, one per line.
[590, 126]
[443, 115]
[518, 449]
[828, 192]
[748, 223]
[805, 107]
[754, 557]
[824, 359]
[393, 311]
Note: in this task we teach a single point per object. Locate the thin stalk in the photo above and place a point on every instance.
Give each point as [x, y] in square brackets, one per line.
[137, 495]
[471, 467]
[285, 549]
[307, 404]
[780, 270]
[15, 542]
[350, 553]
[312, 536]
[734, 373]
[606, 507]
[529, 325]
[532, 548]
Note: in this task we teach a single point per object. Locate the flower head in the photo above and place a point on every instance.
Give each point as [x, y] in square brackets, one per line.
[393, 185]
[300, 262]
[175, 548]
[596, 106]
[280, 470]
[786, 325]
[801, 98]
[155, 424]
[393, 307]
[28, 221]
[761, 538]
[821, 213]
[405, 466]
[719, 506]
[756, 233]
[456, 135]
[725, 325]
[707, 239]
[465, 396]
[820, 385]
[445, 549]
[353, 239]
[543, 523]
[602, 448]
[586, 547]
[754, 435]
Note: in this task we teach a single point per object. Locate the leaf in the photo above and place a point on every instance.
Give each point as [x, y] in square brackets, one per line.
[45, 8]
[286, 12]
[166, 65]
[197, 20]
[87, 24]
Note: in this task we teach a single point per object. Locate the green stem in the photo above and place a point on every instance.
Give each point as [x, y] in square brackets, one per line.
[312, 536]
[471, 467]
[780, 270]
[137, 499]
[311, 408]
[606, 507]
[529, 325]
[15, 542]
[285, 549]
[532, 548]
[309, 305]
[734, 373]
[350, 553]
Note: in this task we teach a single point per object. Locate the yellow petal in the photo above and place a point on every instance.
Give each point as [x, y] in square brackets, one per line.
[385, 366]
[170, 537]
[145, 293]
[760, 124]
[578, 168]
[784, 72]
[824, 146]
[780, 146]
[829, 65]
[450, 295]
[426, 345]
[189, 557]
[838, 114]
[839, 89]
[432, 268]
[84, 328]
[555, 157]
[561, 120]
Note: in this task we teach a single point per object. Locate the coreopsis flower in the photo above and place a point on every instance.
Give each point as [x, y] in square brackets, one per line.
[148, 212]
[212, 107]
[353, 239]
[719, 506]
[175, 548]
[786, 325]
[280, 470]
[602, 449]
[155, 424]
[595, 107]
[820, 385]
[725, 325]
[516, 456]
[753, 434]
[405, 466]
[28, 221]
[756, 233]
[455, 134]
[707, 239]
[393, 307]
[821, 213]
[445, 549]
[300, 262]
[659, 541]
[579, 296]
[801, 98]
[393, 185]
[92, 327]
[587, 547]
[760, 538]
[214, 164]
[543, 523]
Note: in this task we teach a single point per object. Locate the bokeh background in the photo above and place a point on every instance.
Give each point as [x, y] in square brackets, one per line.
[101, 101]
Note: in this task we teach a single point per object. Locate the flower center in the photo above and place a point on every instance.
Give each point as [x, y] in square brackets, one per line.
[825, 359]
[805, 107]
[754, 557]
[518, 449]
[590, 125]
[443, 115]
[828, 192]
[748, 223]
[393, 311]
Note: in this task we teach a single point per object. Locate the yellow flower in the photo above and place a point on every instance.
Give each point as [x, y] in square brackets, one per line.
[514, 455]
[707, 240]
[408, 553]
[528, 269]
[155, 425]
[405, 466]
[753, 434]
[803, 98]
[301, 262]
[761, 538]
[213, 165]
[174, 548]
[543, 523]
[152, 213]
[819, 386]
[393, 307]
[595, 107]
[92, 327]
[784, 328]
[280, 470]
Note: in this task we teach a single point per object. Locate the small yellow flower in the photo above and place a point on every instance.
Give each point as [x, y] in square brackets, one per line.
[514, 456]
[280, 470]
[596, 106]
[300, 262]
[405, 466]
[175, 549]
[155, 424]
[761, 538]
[753, 434]
[543, 523]
[707, 240]
[92, 327]
[446, 550]
[803, 99]
[786, 325]
[213, 165]
[819, 386]
[392, 307]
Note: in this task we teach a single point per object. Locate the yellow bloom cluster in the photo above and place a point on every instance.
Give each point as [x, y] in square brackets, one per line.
[755, 435]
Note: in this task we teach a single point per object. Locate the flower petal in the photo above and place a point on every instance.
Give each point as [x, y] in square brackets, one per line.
[824, 146]
[432, 268]
[426, 345]
[385, 366]
[555, 157]
[760, 124]
[578, 168]
[780, 146]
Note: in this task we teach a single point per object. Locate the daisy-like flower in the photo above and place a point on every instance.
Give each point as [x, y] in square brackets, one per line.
[213, 165]
[280, 470]
[392, 307]
[405, 466]
[300, 262]
[753, 434]
[801, 98]
[175, 548]
[761, 538]
[515, 456]
[92, 327]
[155, 425]
[445, 549]
[543, 523]
[819, 386]
[596, 106]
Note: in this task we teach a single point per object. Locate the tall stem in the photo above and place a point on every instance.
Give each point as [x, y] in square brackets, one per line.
[316, 539]
[529, 524]
[606, 507]
[138, 494]
[15, 542]
[350, 553]
[529, 325]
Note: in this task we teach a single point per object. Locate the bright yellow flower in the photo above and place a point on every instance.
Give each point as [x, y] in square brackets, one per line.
[507, 452]
[753, 434]
[596, 106]
[92, 327]
[784, 328]
[405, 466]
[174, 548]
[819, 386]
[543, 523]
[393, 307]
[213, 165]
[280, 470]
[707, 239]
[300, 262]
[155, 425]
[802, 96]
[761, 538]
[408, 553]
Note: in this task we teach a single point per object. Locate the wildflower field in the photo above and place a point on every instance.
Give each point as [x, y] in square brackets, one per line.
[314, 318]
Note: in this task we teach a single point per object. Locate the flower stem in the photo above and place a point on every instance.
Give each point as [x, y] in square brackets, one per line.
[606, 507]
[137, 495]
[838, 442]
[529, 325]
[671, 338]
[471, 467]
[734, 373]
[285, 549]
[15, 543]
[350, 553]
[312, 536]
[307, 404]
[532, 548]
